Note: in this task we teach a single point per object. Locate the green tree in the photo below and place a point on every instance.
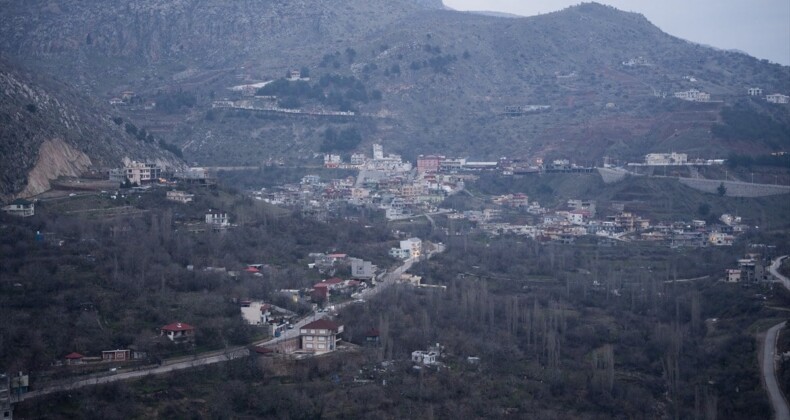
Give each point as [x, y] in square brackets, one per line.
[722, 190]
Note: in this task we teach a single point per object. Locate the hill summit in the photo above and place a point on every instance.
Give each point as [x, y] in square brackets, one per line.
[582, 83]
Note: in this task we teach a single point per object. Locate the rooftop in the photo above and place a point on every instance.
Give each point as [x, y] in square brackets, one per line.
[321, 324]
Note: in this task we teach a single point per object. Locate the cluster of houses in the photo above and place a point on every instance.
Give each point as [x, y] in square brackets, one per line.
[753, 267]
[695, 95]
[384, 182]
[675, 159]
[177, 332]
[142, 173]
[579, 218]
[775, 98]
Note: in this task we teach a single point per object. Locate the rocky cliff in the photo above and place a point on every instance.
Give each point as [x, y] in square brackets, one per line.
[48, 130]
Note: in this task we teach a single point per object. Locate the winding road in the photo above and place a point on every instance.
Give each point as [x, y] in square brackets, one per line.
[778, 400]
[211, 357]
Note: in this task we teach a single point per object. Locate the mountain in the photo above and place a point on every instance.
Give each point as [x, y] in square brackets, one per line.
[420, 78]
[49, 130]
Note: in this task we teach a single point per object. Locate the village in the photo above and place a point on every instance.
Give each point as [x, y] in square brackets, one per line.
[401, 192]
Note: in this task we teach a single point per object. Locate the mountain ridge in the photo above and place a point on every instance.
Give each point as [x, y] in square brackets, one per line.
[49, 130]
[446, 77]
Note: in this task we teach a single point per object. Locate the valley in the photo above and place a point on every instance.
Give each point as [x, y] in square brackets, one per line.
[386, 209]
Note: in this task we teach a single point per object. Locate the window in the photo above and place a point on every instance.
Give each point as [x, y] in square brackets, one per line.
[308, 345]
[321, 346]
[308, 338]
[321, 338]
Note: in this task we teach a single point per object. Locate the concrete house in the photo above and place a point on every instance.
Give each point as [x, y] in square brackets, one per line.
[778, 98]
[180, 196]
[179, 332]
[319, 336]
[20, 208]
[217, 218]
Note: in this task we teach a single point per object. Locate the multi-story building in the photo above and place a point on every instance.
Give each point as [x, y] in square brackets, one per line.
[778, 98]
[6, 409]
[332, 161]
[661, 159]
[378, 152]
[217, 218]
[399, 253]
[414, 245]
[195, 176]
[136, 173]
[358, 159]
[362, 269]
[693, 95]
[21, 208]
[452, 164]
[180, 196]
[755, 91]
[428, 164]
[320, 336]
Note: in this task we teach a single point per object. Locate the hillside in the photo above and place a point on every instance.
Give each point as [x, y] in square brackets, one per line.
[48, 130]
[428, 79]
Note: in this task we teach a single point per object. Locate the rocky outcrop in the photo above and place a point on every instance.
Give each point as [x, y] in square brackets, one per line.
[55, 159]
[48, 130]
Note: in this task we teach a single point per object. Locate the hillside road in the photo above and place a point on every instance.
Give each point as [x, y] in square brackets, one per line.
[778, 401]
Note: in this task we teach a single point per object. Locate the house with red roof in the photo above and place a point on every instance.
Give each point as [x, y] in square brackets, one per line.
[334, 283]
[179, 332]
[372, 336]
[74, 359]
[319, 336]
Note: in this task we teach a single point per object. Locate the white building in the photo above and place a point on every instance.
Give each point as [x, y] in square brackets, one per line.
[730, 220]
[136, 173]
[733, 275]
[778, 98]
[358, 159]
[378, 152]
[414, 245]
[693, 95]
[661, 159]
[21, 208]
[332, 161]
[424, 357]
[755, 91]
[180, 196]
[217, 218]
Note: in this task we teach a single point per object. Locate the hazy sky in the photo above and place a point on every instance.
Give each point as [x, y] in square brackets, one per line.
[760, 28]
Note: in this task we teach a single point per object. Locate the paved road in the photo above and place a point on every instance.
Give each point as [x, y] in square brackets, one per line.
[216, 356]
[778, 400]
[769, 373]
[230, 354]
